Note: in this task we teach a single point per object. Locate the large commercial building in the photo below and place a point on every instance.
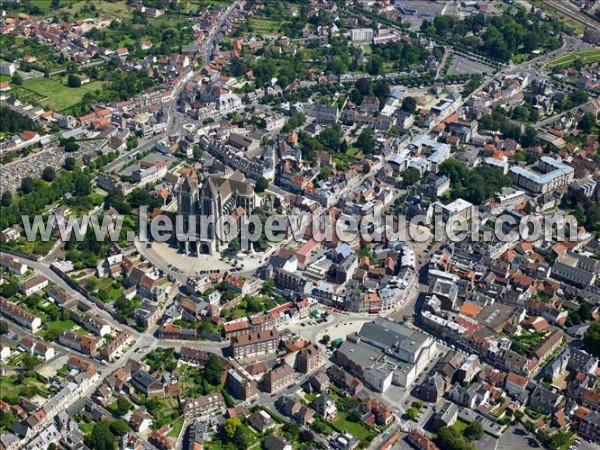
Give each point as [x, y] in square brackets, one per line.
[553, 174]
[383, 353]
[399, 341]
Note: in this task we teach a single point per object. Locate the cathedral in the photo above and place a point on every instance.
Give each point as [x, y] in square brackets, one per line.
[216, 196]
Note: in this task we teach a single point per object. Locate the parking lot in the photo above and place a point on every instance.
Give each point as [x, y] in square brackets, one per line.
[516, 438]
[461, 64]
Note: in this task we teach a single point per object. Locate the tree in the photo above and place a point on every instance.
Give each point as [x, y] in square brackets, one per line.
[17, 79]
[381, 90]
[13, 121]
[364, 86]
[586, 123]
[325, 339]
[412, 413]
[69, 145]
[101, 438]
[307, 436]
[48, 174]
[27, 185]
[450, 439]
[3, 327]
[231, 426]
[409, 104]
[454, 170]
[213, 369]
[365, 141]
[353, 416]
[243, 438]
[291, 430]
[529, 138]
[70, 163]
[6, 198]
[29, 361]
[261, 184]
[591, 339]
[6, 419]
[8, 290]
[411, 176]
[294, 122]
[474, 431]
[123, 406]
[73, 81]
[197, 153]
[132, 142]
[559, 439]
[119, 427]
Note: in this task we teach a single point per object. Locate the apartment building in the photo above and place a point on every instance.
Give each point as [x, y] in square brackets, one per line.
[309, 358]
[20, 315]
[203, 406]
[262, 343]
[84, 344]
[551, 174]
[34, 284]
[240, 385]
[361, 34]
[278, 378]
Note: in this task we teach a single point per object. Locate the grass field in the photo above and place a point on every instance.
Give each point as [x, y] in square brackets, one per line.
[460, 425]
[86, 427]
[193, 5]
[166, 412]
[61, 325]
[358, 430]
[12, 389]
[585, 57]
[264, 26]
[177, 426]
[117, 9]
[113, 288]
[52, 93]
[26, 247]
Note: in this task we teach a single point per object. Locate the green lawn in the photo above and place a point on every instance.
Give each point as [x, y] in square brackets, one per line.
[105, 9]
[29, 386]
[164, 410]
[26, 247]
[86, 427]
[358, 430]
[61, 325]
[177, 426]
[264, 26]
[585, 57]
[52, 93]
[460, 425]
[106, 289]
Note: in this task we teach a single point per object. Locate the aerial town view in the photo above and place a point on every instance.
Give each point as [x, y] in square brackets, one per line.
[299, 224]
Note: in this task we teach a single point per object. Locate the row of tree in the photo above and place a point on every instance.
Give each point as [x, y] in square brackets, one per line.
[14, 122]
[476, 185]
[498, 37]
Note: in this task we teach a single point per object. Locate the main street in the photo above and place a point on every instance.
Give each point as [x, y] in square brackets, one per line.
[175, 121]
